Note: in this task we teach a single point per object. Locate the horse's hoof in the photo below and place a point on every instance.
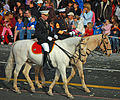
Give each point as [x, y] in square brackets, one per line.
[50, 93]
[87, 90]
[33, 90]
[71, 97]
[18, 91]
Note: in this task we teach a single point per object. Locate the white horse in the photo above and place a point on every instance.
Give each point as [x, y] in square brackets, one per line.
[94, 41]
[21, 54]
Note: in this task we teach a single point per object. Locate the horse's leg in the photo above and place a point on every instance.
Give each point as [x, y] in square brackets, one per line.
[16, 72]
[57, 75]
[37, 69]
[73, 72]
[64, 78]
[26, 74]
[42, 76]
[80, 70]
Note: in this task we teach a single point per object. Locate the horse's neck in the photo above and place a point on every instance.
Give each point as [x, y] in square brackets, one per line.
[94, 42]
[69, 44]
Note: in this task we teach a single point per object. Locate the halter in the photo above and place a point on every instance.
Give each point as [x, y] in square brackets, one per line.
[102, 41]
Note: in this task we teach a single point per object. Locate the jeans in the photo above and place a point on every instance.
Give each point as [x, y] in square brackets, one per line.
[22, 32]
[115, 43]
[29, 33]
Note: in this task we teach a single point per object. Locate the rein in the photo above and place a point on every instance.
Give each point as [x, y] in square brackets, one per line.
[73, 55]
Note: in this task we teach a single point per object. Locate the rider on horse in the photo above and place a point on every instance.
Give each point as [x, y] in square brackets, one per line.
[42, 33]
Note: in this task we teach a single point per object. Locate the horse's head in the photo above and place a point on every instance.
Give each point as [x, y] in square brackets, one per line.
[82, 50]
[105, 45]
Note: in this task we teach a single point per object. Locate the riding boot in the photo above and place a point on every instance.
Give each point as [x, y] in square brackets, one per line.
[45, 59]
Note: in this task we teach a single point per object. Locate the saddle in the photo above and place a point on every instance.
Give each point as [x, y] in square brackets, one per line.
[37, 49]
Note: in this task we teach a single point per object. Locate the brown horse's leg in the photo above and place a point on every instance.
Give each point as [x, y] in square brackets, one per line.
[42, 76]
[80, 70]
[26, 74]
[16, 72]
[37, 70]
[73, 72]
[57, 75]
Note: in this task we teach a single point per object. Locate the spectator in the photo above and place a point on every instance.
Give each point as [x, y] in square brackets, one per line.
[19, 5]
[31, 27]
[97, 28]
[114, 19]
[89, 29]
[27, 18]
[80, 2]
[71, 25]
[104, 10]
[115, 31]
[1, 12]
[19, 25]
[6, 9]
[39, 7]
[113, 4]
[6, 27]
[79, 27]
[106, 27]
[52, 14]
[12, 21]
[87, 14]
[117, 11]
[34, 10]
[69, 7]
[76, 10]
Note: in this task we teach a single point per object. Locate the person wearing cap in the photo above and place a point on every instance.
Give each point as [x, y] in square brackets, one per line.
[42, 32]
[70, 21]
[61, 25]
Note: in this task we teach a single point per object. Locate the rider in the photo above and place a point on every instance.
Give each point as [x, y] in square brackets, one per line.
[42, 33]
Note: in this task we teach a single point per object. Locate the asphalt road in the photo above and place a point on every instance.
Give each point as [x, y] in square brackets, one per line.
[101, 76]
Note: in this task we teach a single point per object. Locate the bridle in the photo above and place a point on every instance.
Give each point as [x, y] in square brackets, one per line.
[102, 42]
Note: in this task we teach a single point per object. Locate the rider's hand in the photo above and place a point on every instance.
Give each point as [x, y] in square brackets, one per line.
[49, 38]
[55, 36]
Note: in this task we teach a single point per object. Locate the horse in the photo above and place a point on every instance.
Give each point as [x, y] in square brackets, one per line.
[21, 54]
[93, 42]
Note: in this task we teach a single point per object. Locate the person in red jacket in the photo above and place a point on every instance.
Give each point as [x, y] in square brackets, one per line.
[89, 29]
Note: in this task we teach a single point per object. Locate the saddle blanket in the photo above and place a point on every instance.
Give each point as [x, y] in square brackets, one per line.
[37, 49]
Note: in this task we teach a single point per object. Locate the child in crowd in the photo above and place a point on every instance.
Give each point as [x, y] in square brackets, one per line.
[89, 29]
[97, 28]
[6, 27]
[115, 41]
[6, 8]
[31, 27]
[106, 27]
[52, 26]
[78, 29]
[19, 25]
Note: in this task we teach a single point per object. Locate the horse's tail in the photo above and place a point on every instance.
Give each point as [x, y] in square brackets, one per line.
[10, 65]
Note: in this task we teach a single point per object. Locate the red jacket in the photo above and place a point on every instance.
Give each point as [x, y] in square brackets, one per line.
[88, 32]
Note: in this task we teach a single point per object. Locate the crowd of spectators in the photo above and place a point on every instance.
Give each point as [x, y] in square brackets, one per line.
[66, 18]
